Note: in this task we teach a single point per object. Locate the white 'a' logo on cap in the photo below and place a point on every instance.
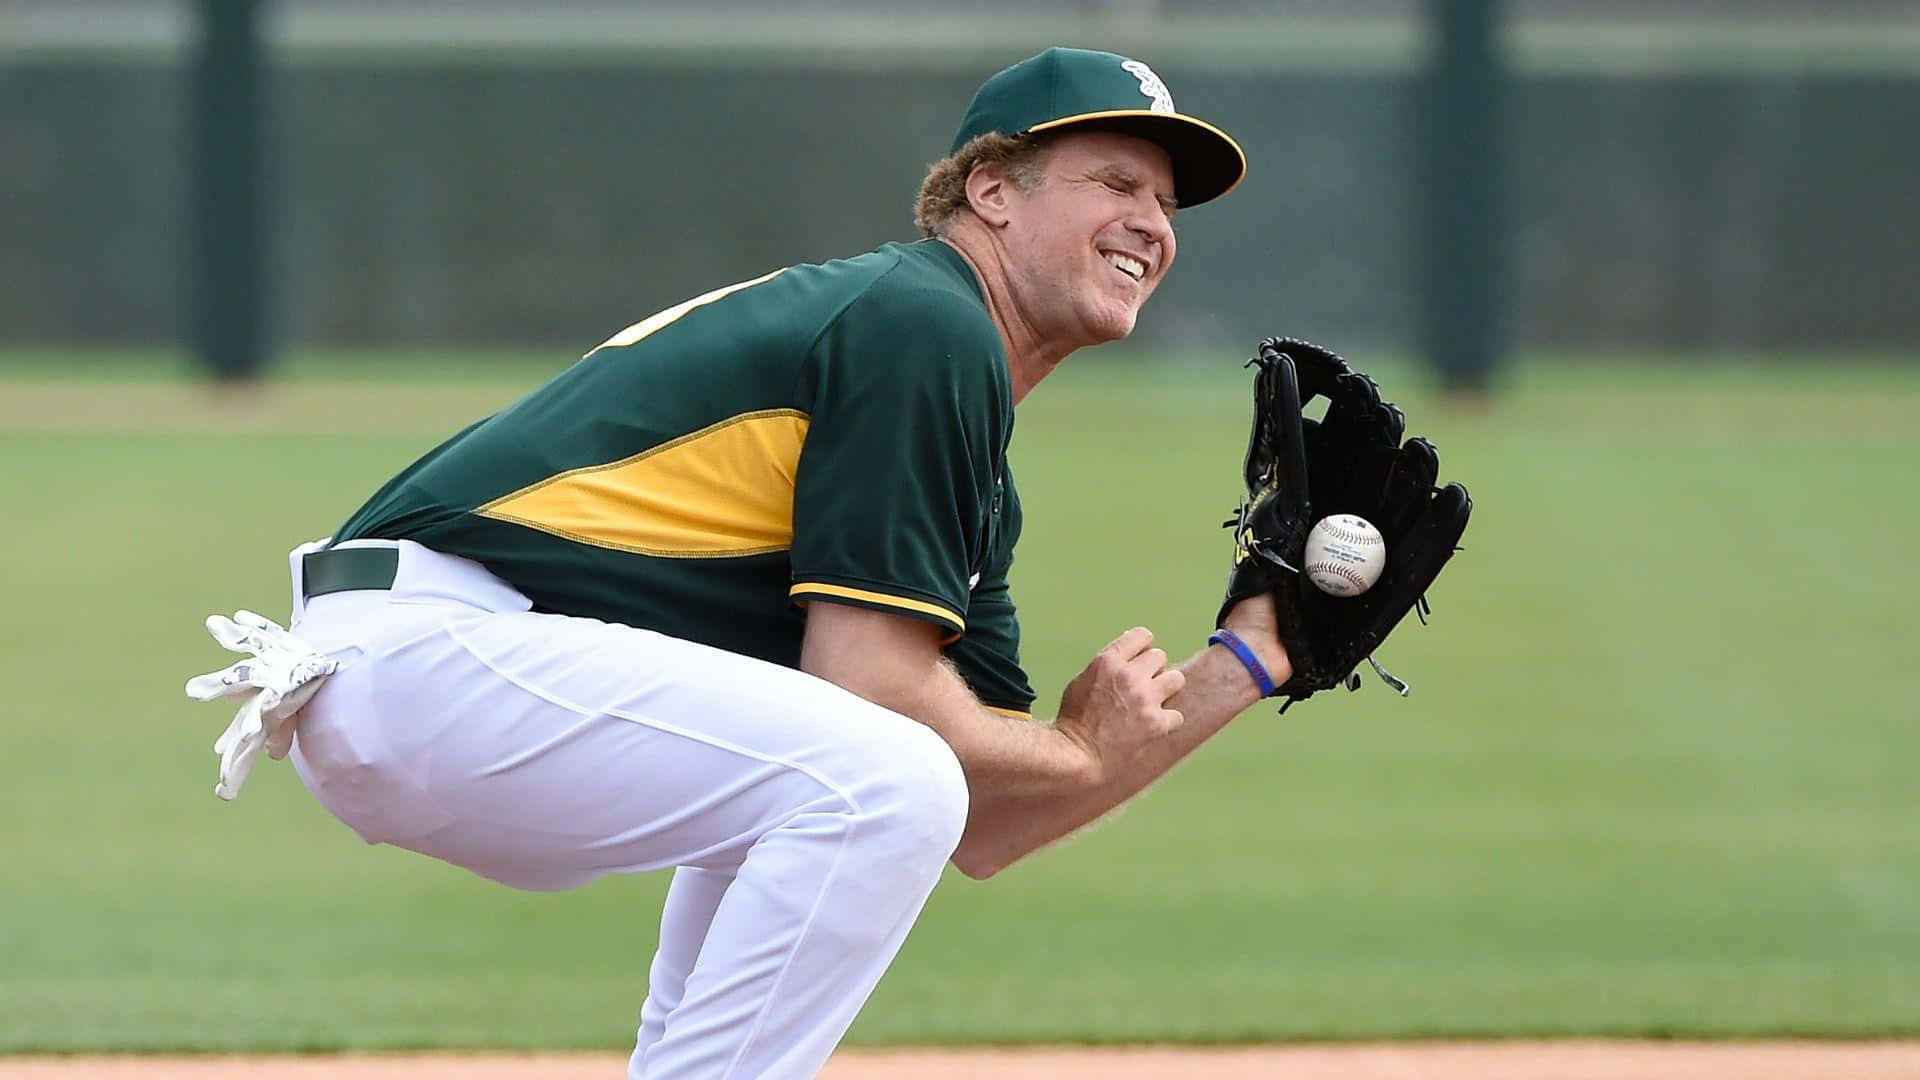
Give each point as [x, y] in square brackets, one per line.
[1150, 85]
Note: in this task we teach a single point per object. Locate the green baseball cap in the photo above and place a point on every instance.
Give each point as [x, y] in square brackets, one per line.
[1065, 88]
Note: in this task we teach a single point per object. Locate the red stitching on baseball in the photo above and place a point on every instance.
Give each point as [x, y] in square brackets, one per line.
[1338, 571]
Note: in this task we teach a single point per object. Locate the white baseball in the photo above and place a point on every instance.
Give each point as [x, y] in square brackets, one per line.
[1345, 555]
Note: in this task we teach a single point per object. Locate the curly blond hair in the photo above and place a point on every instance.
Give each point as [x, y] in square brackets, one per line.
[943, 194]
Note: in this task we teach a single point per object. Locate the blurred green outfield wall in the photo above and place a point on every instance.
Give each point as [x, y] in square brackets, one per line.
[456, 201]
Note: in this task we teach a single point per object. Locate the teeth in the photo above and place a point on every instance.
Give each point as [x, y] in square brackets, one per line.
[1133, 268]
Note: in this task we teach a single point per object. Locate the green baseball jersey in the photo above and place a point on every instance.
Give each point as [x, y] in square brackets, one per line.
[826, 433]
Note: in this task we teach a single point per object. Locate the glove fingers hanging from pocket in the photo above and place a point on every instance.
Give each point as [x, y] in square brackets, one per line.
[279, 676]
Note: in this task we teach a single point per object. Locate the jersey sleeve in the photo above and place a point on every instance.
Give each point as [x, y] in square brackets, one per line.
[910, 409]
[988, 658]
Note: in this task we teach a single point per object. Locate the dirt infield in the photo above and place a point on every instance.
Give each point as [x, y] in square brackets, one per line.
[1398, 1061]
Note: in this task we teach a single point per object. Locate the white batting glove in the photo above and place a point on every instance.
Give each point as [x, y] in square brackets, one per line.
[276, 679]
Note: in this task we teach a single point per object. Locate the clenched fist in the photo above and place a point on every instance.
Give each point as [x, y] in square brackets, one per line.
[1118, 705]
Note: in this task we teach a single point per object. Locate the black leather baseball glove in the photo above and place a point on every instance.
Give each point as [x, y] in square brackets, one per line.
[1352, 461]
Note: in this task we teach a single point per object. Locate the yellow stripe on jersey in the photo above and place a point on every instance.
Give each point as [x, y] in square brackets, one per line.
[724, 490]
[659, 319]
[815, 588]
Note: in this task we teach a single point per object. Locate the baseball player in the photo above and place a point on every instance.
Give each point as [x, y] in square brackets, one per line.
[729, 595]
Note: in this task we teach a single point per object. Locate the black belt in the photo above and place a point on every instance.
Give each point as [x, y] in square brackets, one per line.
[341, 569]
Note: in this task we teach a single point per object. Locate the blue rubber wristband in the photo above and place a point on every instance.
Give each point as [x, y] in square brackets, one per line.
[1254, 667]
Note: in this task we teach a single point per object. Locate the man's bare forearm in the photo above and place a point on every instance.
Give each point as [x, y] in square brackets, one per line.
[1125, 720]
[895, 662]
[1003, 829]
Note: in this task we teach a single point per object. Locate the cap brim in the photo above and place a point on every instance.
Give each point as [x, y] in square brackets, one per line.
[1207, 163]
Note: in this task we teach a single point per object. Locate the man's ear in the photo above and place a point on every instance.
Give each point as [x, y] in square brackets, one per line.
[990, 192]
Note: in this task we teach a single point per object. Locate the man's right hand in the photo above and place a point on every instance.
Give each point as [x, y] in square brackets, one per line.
[1117, 706]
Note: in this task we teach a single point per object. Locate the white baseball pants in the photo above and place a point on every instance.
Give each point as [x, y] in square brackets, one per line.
[542, 751]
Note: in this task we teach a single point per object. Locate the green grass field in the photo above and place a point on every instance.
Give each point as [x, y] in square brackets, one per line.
[1658, 775]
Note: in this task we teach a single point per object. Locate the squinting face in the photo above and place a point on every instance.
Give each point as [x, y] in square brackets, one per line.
[1092, 241]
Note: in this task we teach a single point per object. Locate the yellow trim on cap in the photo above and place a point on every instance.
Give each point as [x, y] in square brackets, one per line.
[1194, 120]
[885, 599]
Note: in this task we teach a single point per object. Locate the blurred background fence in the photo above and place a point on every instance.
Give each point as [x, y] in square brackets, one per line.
[1693, 173]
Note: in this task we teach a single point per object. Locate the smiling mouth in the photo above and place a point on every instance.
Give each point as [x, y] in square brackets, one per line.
[1127, 265]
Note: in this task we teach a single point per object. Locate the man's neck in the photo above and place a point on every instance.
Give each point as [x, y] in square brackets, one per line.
[1030, 358]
